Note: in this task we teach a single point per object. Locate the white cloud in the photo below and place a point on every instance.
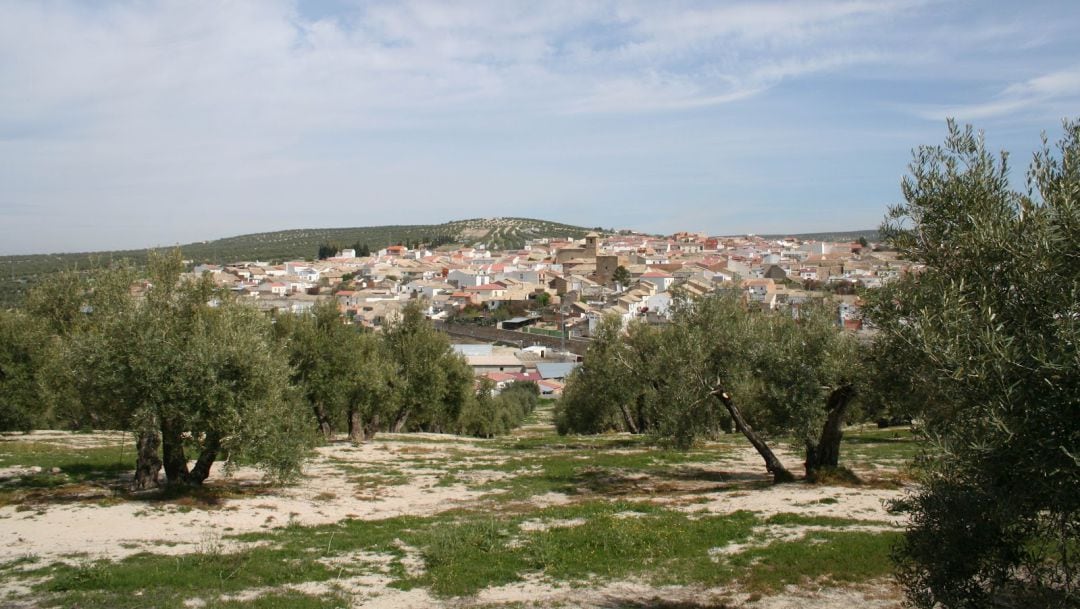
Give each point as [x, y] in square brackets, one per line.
[127, 109]
[1039, 94]
[255, 57]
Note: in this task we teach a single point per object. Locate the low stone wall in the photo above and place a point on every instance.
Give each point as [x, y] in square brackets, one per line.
[524, 339]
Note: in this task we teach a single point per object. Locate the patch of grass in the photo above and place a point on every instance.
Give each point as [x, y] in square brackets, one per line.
[78, 463]
[164, 600]
[152, 580]
[284, 600]
[80, 471]
[364, 477]
[788, 519]
[18, 564]
[470, 556]
[834, 557]
[619, 540]
[875, 445]
[449, 480]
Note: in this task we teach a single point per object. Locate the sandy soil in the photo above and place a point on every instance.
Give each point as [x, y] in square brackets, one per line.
[399, 475]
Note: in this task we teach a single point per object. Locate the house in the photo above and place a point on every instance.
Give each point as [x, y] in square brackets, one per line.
[498, 361]
[555, 370]
[551, 387]
[761, 292]
[490, 293]
[660, 279]
[467, 278]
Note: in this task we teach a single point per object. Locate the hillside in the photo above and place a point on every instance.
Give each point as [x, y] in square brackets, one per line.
[19, 273]
[851, 235]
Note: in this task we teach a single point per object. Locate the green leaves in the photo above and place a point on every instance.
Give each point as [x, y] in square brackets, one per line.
[986, 335]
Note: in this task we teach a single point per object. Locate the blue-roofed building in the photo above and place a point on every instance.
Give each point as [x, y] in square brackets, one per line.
[556, 370]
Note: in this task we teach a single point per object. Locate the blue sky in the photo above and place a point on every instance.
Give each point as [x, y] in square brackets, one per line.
[134, 124]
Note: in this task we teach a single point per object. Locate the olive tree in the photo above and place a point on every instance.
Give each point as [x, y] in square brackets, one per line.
[988, 326]
[717, 364]
[23, 352]
[186, 368]
[431, 382]
[342, 371]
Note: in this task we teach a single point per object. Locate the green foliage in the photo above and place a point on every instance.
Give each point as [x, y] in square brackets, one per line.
[490, 415]
[328, 250]
[431, 383]
[784, 372]
[988, 329]
[24, 347]
[183, 358]
[598, 392]
[342, 371]
[621, 276]
[796, 365]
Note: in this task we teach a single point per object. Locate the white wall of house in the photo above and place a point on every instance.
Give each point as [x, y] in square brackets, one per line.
[464, 278]
[661, 283]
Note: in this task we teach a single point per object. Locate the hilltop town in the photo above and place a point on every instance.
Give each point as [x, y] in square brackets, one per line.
[553, 291]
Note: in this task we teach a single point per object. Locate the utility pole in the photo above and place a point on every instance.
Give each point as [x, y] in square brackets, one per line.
[562, 329]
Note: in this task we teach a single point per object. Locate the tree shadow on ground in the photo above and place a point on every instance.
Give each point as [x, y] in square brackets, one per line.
[661, 603]
[208, 496]
[681, 481]
[83, 483]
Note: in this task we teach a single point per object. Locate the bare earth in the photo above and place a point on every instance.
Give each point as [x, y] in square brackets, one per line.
[399, 475]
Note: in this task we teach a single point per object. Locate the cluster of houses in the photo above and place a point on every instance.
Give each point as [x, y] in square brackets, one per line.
[505, 365]
[568, 285]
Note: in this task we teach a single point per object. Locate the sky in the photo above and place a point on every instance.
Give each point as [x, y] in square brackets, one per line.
[127, 124]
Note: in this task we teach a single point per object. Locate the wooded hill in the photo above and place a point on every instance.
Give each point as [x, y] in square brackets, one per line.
[19, 273]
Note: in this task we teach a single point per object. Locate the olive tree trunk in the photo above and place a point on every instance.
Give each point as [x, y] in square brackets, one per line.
[172, 449]
[371, 428]
[826, 453]
[147, 462]
[209, 453]
[323, 419]
[356, 427]
[772, 463]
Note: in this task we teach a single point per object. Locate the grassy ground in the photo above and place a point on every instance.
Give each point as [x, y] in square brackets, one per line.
[628, 511]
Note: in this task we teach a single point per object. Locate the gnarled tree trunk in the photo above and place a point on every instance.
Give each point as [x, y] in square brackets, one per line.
[356, 427]
[628, 419]
[206, 459]
[371, 428]
[323, 419]
[172, 448]
[399, 421]
[772, 463]
[826, 453]
[147, 462]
